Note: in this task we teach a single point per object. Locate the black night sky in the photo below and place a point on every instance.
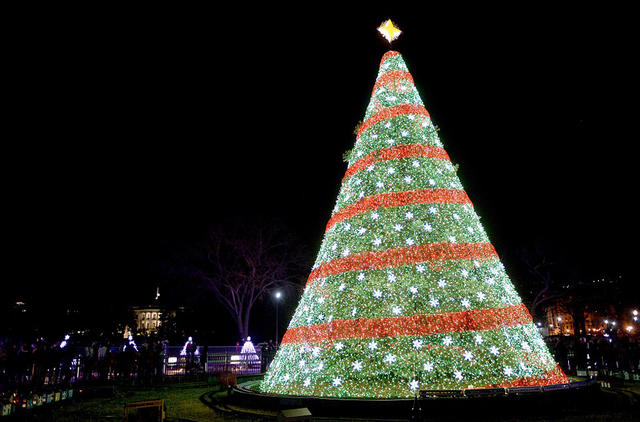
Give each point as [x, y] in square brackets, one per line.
[132, 133]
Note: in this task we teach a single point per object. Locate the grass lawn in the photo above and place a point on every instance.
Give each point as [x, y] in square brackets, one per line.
[182, 401]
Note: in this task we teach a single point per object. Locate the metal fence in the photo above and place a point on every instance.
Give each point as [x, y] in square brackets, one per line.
[120, 365]
[215, 360]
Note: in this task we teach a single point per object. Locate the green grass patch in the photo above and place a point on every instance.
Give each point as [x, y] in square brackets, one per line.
[182, 401]
[255, 386]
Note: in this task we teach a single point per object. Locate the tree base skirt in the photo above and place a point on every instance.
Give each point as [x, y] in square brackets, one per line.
[573, 397]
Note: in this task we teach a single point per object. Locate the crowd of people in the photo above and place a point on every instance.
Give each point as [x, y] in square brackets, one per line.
[595, 353]
[57, 363]
[41, 363]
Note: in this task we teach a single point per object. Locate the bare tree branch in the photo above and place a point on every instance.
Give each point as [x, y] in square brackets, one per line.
[240, 263]
[546, 273]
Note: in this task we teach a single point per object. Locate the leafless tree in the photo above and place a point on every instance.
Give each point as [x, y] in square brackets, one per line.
[547, 271]
[241, 262]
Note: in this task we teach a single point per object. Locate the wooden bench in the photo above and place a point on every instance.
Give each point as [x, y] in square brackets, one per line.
[154, 410]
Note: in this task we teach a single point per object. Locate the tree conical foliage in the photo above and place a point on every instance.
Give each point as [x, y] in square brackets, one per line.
[407, 291]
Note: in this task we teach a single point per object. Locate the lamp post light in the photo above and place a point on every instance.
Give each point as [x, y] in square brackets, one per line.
[278, 295]
[560, 325]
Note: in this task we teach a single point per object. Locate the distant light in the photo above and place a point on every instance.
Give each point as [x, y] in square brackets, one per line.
[559, 318]
[635, 312]
[183, 352]
[63, 343]
[132, 343]
[278, 294]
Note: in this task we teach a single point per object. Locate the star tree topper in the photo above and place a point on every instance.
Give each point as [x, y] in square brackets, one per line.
[389, 31]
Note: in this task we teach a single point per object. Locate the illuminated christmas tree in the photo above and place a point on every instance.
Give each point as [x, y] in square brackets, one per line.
[248, 351]
[407, 292]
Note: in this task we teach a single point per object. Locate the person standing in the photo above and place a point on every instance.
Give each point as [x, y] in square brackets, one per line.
[103, 362]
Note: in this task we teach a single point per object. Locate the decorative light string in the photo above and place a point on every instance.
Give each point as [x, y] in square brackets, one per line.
[394, 153]
[392, 112]
[396, 199]
[406, 255]
[414, 325]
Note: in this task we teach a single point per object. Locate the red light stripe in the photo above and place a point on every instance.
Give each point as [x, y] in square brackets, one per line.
[550, 377]
[402, 151]
[391, 78]
[415, 325]
[403, 256]
[388, 54]
[396, 199]
[392, 112]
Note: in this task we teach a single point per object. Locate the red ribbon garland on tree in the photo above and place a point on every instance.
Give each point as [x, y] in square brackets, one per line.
[414, 325]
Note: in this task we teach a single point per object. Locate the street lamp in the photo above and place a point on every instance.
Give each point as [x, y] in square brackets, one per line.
[560, 325]
[278, 294]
